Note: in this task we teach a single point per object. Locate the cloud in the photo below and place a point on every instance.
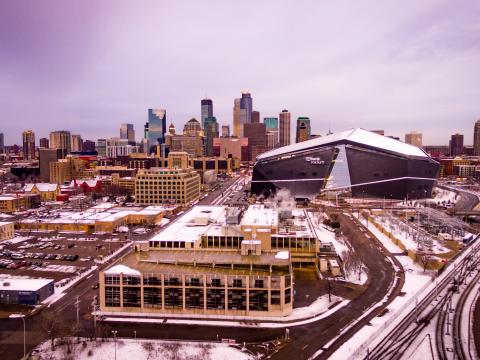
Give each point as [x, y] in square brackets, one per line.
[90, 66]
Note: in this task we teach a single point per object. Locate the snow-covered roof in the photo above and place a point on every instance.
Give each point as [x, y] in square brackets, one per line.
[22, 284]
[42, 187]
[122, 269]
[259, 215]
[359, 136]
[3, 223]
[185, 228]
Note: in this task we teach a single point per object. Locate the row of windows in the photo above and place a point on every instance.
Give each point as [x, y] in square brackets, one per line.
[194, 298]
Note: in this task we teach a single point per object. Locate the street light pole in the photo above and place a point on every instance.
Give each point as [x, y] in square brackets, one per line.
[114, 332]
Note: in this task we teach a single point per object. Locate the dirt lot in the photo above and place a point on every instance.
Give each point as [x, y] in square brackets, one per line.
[38, 253]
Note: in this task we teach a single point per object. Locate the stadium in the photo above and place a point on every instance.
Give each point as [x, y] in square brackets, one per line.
[356, 161]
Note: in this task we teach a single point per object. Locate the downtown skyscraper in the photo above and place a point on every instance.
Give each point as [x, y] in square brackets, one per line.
[476, 139]
[28, 137]
[127, 133]
[242, 113]
[206, 111]
[155, 128]
[284, 128]
[303, 130]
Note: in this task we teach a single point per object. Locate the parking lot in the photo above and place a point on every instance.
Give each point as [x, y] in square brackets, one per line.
[58, 257]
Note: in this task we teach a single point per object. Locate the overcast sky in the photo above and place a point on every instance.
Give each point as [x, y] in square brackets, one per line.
[87, 66]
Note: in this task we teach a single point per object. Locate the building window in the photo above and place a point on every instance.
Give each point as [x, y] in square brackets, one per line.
[131, 297]
[112, 279]
[237, 283]
[152, 297]
[275, 297]
[112, 296]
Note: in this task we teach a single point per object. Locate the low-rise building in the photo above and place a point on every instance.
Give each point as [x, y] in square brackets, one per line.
[10, 203]
[24, 291]
[47, 191]
[6, 230]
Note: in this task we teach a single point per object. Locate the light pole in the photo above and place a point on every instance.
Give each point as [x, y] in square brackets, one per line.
[114, 332]
[21, 316]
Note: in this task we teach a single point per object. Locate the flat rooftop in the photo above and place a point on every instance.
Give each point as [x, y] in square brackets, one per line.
[186, 229]
[181, 261]
[22, 284]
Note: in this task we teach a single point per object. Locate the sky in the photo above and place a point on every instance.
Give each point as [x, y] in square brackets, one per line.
[87, 66]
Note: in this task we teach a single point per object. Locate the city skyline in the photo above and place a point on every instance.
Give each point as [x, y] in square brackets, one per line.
[407, 69]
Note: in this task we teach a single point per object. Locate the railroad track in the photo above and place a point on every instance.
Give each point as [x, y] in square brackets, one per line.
[394, 345]
[460, 351]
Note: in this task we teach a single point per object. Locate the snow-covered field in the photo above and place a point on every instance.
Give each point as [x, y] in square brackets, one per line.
[138, 349]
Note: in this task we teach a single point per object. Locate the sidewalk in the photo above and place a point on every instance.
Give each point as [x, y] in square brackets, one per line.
[318, 310]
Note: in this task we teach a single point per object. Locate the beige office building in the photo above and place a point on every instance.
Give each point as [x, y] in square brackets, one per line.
[167, 186]
[414, 138]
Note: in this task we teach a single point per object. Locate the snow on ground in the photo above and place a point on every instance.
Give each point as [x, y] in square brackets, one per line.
[163, 222]
[416, 281]
[140, 349]
[443, 195]
[19, 239]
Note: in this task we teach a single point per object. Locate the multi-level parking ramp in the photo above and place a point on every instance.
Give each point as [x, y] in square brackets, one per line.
[441, 320]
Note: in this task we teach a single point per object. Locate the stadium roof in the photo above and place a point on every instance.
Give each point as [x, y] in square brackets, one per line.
[358, 136]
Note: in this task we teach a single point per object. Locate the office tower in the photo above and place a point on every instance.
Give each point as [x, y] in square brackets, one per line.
[88, 146]
[116, 147]
[28, 137]
[414, 138]
[192, 128]
[284, 128]
[456, 145]
[303, 129]
[127, 133]
[61, 140]
[77, 143]
[272, 133]
[225, 131]
[102, 147]
[44, 143]
[246, 104]
[476, 139]
[155, 128]
[242, 113]
[255, 117]
[237, 125]
[47, 156]
[257, 139]
[206, 110]
[2, 143]
[211, 132]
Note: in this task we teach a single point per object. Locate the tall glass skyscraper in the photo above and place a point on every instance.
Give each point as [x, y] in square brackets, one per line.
[207, 110]
[246, 104]
[211, 132]
[127, 132]
[155, 128]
